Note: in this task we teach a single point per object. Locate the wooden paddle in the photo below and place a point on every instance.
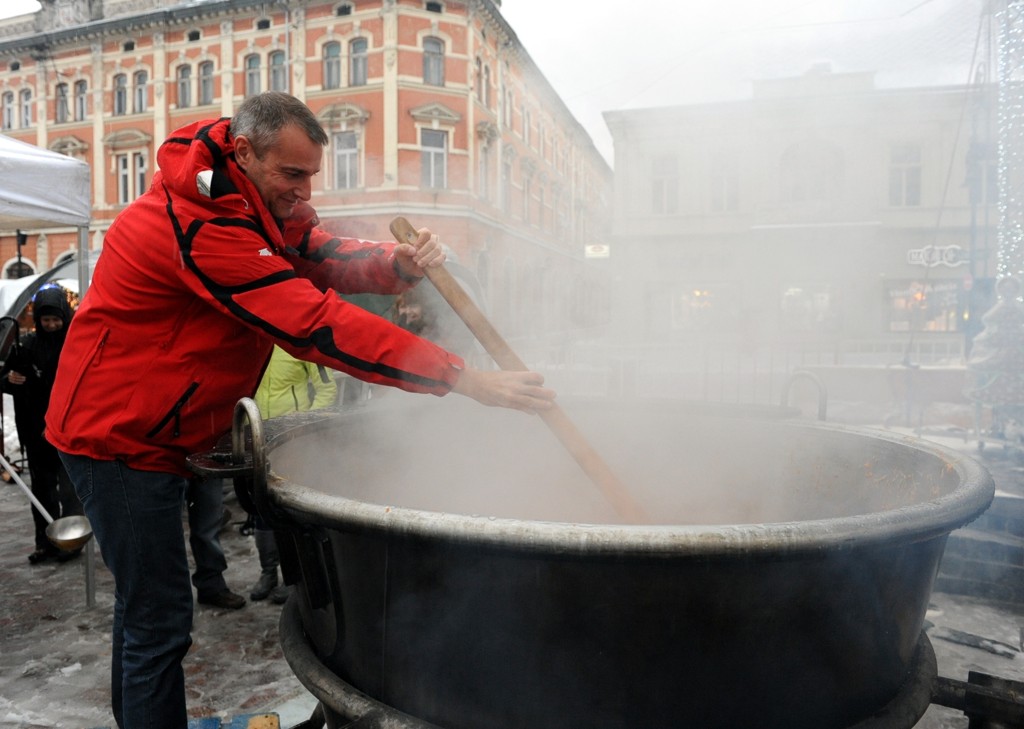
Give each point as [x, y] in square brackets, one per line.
[496, 346]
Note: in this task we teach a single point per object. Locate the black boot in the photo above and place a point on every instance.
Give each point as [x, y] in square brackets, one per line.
[266, 547]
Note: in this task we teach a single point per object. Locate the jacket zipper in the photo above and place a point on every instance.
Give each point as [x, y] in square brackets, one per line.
[174, 414]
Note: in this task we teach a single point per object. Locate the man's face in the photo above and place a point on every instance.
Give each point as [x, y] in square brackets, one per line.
[284, 176]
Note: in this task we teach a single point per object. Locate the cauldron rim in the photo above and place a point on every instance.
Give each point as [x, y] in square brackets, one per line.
[929, 519]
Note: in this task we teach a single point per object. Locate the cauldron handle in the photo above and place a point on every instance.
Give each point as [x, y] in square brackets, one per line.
[555, 418]
[246, 409]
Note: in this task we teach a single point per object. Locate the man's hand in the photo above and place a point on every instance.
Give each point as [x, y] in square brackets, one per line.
[413, 258]
[517, 390]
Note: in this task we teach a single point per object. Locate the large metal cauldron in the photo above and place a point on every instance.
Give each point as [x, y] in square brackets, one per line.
[482, 582]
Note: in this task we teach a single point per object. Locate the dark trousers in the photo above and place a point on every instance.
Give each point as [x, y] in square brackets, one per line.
[136, 517]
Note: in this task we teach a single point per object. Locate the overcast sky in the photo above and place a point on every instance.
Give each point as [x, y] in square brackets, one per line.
[648, 53]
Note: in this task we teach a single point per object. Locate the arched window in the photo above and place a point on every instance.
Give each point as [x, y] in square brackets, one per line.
[184, 86]
[120, 94]
[433, 62]
[206, 82]
[252, 75]
[81, 100]
[139, 95]
[332, 65]
[278, 72]
[357, 62]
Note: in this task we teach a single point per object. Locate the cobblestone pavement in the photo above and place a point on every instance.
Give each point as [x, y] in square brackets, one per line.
[55, 650]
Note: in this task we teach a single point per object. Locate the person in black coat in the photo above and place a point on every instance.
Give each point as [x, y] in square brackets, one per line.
[28, 376]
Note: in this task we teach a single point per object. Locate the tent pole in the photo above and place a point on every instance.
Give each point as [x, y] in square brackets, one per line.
[83, 259]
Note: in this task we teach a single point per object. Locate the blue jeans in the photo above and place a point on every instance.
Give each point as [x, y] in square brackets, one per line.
[136, 519]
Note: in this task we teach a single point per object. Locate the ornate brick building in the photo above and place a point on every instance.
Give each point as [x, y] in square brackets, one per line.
[434, 109]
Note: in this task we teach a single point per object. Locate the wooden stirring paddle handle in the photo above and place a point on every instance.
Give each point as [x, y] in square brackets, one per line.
[496, 346]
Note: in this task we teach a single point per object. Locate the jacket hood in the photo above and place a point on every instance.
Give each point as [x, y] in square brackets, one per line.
[51, 299]
[197, 164]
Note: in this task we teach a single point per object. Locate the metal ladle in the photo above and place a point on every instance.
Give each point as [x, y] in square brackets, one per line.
[68, 532]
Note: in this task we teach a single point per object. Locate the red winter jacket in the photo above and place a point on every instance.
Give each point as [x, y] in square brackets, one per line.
[195, 284]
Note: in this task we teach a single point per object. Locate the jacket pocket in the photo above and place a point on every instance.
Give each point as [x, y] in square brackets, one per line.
[174, 414]
[76, 380]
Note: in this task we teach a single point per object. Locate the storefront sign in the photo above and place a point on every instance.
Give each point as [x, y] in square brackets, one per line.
[931, 256]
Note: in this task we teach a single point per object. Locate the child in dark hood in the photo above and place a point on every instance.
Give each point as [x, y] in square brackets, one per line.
[28, 376]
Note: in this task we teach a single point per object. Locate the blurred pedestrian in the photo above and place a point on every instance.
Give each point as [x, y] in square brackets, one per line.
[289, 385]
[204, 502]
[28, 376]
[220, 259]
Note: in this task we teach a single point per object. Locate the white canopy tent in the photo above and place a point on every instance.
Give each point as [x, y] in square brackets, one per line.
[40, 188]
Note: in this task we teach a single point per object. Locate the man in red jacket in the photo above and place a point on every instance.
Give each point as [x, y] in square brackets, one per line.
[199, 277]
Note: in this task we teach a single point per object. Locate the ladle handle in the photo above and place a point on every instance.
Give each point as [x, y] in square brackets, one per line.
[496, 346]
[24, 487]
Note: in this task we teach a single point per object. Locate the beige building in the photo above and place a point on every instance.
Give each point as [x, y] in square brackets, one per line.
[434, 109]
[824, 215]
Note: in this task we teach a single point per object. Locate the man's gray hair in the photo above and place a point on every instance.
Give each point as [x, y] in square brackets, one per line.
[261, 117]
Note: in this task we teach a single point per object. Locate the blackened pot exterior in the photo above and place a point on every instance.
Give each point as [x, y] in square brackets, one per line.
[491, 621]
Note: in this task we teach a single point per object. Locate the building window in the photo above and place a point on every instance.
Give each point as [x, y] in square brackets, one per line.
[332, 65]
[139, 95]
[61, 111]
[435, 158]
[120, 94]
[484, 173]
[509, 106]
[278, 72]
[206, 82]
[808, 309]
[8, 110]
[263, 24]
[131, 176]
[506, 186]
[194, 35]
[725, 182]
[15, 66]
[905, 175]
[252, 75]
[357, 63]
[527, 194]
[81, 100]
[342, 10]
[184, 87]
[487, 86]
[128, 46]
[526, 127]
[434, 7]
[479, 80]
[924, 306]
[810, 172]
[346, 160]
[665, 185]
[25, 98]
[433, 62]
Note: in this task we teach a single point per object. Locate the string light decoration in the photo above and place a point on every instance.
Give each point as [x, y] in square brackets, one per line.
[1010, 254]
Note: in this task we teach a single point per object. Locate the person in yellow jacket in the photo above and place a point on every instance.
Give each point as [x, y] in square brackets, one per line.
[289, 385]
